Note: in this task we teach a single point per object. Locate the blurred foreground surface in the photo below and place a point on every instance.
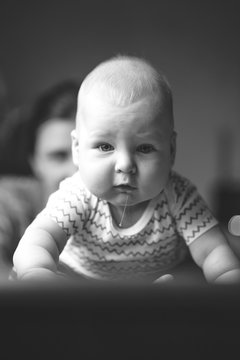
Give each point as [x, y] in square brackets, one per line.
[168, 321]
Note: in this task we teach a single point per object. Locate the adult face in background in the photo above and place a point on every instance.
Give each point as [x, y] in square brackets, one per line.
[51, 161]
[48, 136]
[37, 137]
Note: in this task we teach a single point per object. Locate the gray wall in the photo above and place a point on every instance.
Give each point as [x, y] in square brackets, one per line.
[196, 43]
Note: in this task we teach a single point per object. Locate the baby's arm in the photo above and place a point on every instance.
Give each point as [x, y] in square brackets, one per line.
[38, 251]
[217, 260]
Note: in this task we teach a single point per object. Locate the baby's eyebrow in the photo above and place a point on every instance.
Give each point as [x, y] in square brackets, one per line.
[153, 135]
[145, 134]
[101, 133]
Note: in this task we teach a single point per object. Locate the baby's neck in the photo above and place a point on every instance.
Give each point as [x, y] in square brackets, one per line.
[132, 214]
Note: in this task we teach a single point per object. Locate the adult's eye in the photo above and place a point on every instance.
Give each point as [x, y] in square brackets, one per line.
[145, 148]
[105, 147]
[59, 156]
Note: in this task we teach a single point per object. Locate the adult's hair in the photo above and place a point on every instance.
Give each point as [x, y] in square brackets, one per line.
[19, 131]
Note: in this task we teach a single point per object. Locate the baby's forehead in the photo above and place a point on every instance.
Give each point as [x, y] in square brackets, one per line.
[143, 115]
[99, 103]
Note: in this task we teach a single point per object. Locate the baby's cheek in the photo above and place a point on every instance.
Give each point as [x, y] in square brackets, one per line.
[98, 180]
[150, 170]
[155, 177]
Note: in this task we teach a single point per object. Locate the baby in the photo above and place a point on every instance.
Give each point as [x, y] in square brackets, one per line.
[125, 214]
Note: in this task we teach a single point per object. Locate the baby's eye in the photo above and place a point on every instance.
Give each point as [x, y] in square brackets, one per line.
[145, 148]
[105, 147]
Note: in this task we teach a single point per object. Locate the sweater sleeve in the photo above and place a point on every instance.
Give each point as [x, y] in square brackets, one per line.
[68, 206]
[191, 214]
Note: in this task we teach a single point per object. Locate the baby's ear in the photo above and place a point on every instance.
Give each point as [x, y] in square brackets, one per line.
[173, 147]
[75, 147]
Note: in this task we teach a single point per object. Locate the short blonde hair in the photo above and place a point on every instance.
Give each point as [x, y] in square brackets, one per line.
[123, 80]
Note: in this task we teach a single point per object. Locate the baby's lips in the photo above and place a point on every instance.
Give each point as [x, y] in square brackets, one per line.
[234, 225]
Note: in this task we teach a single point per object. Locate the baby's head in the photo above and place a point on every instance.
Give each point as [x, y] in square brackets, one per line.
[124, 142]
[123, 81]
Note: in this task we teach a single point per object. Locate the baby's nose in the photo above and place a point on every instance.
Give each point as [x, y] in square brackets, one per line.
[125, 163]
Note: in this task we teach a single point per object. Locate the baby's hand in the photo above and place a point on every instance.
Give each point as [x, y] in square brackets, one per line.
[164, 279]
[39, 275]
[234, 225]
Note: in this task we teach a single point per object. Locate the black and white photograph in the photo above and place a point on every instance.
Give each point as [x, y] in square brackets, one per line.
[119, 179]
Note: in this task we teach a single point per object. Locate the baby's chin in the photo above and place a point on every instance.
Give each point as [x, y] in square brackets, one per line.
[118, 198]
[126, 200]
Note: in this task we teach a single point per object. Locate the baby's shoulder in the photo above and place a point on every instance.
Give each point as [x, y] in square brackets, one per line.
[179, 188]
[73, 184]
[73, 189]
[178, 183]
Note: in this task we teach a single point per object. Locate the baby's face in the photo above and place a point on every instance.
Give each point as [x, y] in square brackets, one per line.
[126, 151]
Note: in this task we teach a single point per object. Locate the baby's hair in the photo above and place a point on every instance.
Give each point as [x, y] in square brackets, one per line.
[124, 80]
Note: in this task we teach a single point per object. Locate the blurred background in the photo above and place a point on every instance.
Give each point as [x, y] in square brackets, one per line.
[195, 43]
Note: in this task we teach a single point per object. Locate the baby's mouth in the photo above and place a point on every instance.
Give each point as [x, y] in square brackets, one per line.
[124, 187]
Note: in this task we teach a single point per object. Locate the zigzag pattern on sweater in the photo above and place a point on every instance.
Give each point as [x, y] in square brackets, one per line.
[198, 229]
[137, 255]
[68, 223]
[61, 224]
[151, 263]
[143, 238]
[180, 184]
[75, 195]
[93, 233]
[98, 214]
[100, 249]
[193, 206]
[137, 267]
[132, 248]
[188, 222]
[147, 235]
